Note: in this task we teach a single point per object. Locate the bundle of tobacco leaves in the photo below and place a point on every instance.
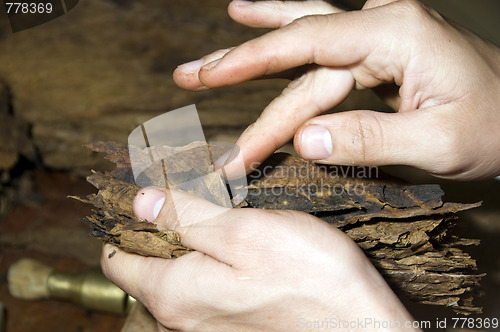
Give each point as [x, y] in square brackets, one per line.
[405, 230]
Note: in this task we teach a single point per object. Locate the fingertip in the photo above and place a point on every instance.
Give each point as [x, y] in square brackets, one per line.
[236, 10]
[235, 5]
[148, 203]
[108, 249]
[241, 3]
[179, 77]
[130, 272]
[188, 81]
[191, 75]
[108, 252]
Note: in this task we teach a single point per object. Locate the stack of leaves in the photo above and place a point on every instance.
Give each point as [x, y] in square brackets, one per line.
[405, 230]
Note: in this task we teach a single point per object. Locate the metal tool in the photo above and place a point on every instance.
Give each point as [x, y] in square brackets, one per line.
[30, 280]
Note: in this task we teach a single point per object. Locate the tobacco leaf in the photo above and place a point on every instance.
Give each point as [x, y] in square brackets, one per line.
[405, 230]
[116, 223]
[295, 184]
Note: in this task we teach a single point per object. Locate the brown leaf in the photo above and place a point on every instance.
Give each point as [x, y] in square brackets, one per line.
[405, 230]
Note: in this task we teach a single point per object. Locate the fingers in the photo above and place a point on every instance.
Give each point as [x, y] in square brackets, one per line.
[265, 14]
[202, 226]
[312, 94]
[354, 138]
[178, 211]
[275, 14]
[186, 75]
[372, 138]
[128, 271]
[338, 40]
[154, 281]
[235, 237]
[341, 39]
[376, 3]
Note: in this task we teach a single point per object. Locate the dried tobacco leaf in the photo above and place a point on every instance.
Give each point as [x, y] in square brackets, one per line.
[286, 182]
[405, 230]
[116, 223]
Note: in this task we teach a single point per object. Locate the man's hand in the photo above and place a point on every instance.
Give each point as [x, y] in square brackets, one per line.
[254, 270]
[448, 79]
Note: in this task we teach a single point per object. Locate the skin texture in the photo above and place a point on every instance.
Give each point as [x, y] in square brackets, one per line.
[448, 81]
[273, 270]
[254, 270]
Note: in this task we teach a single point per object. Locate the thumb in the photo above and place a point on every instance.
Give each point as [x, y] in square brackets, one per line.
[368, 138]
[175, 210]
[202, 225]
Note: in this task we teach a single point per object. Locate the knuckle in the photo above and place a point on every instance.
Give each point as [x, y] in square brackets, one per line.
[412, 7]
[307, 25]
[239, 233]
[416, 13]
[366, 137]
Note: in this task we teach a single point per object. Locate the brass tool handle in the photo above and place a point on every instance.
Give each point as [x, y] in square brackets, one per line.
[31, 280]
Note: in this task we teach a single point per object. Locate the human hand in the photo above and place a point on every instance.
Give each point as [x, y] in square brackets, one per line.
[448, 79]
[253, 270]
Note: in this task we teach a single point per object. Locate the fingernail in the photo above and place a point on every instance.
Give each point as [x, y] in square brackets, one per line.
[158, 206]
[242, 2]
[148, 203]
[315, 143]
[211, 65]
[191, 67]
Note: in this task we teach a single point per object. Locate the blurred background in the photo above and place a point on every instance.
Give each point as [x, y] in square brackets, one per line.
[106, 66]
